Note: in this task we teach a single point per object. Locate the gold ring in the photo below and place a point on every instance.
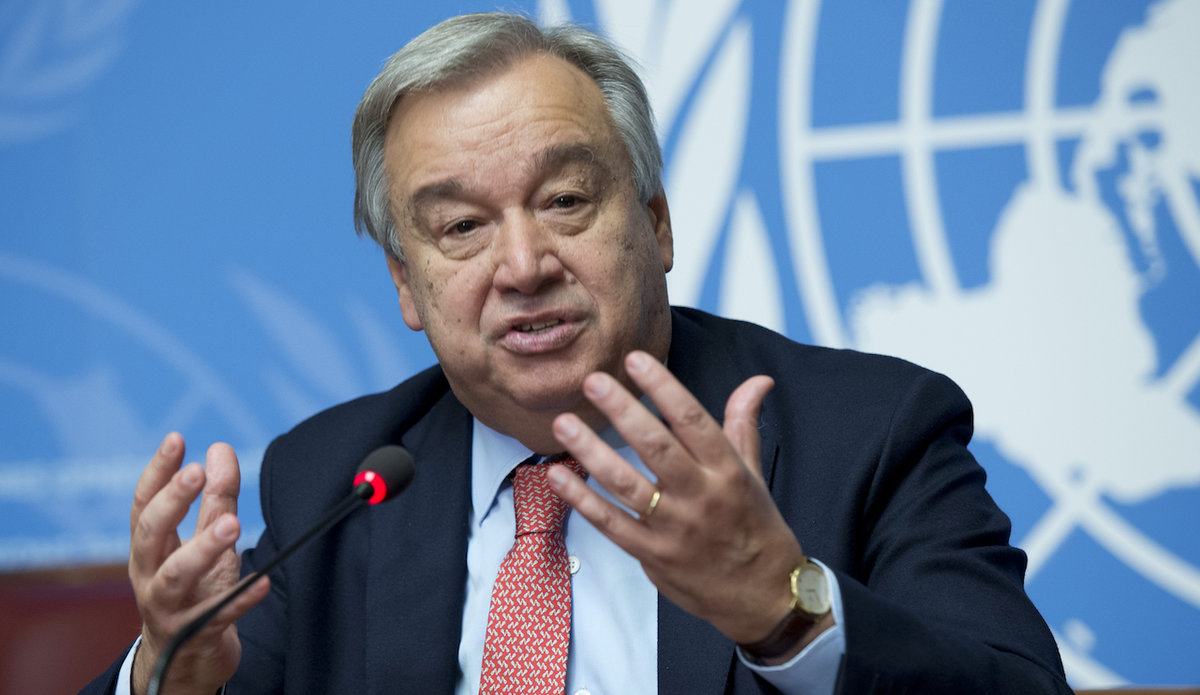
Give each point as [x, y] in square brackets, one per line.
[653, 505]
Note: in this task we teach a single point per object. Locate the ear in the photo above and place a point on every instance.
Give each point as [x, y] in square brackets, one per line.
[408, 304]
[660, 218]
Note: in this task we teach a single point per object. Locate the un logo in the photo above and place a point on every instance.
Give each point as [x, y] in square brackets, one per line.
[1005, 193]
[94, 372]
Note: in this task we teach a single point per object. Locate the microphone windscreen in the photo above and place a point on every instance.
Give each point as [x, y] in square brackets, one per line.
[389, 470]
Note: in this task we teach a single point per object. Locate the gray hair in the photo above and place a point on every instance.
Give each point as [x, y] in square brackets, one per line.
[475, 44]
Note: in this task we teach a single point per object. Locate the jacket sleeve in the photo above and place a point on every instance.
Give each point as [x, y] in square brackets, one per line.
[934, 600]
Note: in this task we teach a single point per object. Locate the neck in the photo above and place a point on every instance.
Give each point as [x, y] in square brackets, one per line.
[534, 429]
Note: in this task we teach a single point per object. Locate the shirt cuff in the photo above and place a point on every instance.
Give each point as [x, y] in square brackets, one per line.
[815, 668]
[125, 675]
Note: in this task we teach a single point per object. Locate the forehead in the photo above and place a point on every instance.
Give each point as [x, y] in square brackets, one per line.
[522, 115]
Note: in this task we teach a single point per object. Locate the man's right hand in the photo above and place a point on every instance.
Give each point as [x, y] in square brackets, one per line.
[173, 580]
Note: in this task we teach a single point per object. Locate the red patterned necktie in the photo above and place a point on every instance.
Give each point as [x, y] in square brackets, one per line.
[529, 623]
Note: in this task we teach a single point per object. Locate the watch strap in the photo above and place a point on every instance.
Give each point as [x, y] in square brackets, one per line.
[783, 637]
[789, 630]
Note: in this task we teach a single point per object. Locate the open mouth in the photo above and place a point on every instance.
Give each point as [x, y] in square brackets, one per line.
[540, 327]
[540, 334]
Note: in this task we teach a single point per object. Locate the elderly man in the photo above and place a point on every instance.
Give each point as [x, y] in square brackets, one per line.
[743, 513]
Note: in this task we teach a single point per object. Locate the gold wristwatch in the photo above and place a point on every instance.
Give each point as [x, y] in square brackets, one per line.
[810, 603]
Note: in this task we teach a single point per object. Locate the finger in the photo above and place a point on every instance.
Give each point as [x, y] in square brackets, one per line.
[654, 442]
[222, 482]
[691, 423]
[176, 580]
[247, 600]
[154, 536]
[165, 462]
[609, 519]
[225, 617]
[625, 483]
[741, 419]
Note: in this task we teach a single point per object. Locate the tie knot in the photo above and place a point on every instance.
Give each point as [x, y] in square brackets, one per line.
[538, 509]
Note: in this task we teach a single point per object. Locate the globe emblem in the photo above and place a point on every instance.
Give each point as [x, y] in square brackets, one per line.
[1080, 387]
[76, 461]
[1008, 195]
[91, 377]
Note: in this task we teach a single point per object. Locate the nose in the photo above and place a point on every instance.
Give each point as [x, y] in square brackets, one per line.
[526, 255]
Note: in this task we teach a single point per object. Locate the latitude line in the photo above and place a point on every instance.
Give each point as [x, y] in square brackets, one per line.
[959, 132]
[1081, 504]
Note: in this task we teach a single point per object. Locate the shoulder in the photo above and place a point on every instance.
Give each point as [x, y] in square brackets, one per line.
[377, 414]
[708, 348]
[323, 451]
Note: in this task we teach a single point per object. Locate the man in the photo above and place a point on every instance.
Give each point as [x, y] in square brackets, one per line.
[756, 513]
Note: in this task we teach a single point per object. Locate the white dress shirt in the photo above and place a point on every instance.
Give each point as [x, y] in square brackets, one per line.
[614, 621]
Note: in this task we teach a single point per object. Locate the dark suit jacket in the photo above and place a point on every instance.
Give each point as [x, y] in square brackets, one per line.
[865, 457]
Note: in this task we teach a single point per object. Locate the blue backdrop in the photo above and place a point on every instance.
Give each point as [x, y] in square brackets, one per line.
[1005, 191]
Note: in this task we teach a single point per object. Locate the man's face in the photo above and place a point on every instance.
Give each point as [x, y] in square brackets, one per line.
[529, 260]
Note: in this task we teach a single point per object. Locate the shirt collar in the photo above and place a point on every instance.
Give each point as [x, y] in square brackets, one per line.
[495, 455]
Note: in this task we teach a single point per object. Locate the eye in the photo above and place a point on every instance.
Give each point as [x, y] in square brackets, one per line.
[565, 201]
[464, 227]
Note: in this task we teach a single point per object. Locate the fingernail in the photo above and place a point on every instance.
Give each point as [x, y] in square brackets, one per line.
[596, 386]
[168, 446]
[191, 476]
[566, 427]
[637, 362]
[557, 476]
[226, 529]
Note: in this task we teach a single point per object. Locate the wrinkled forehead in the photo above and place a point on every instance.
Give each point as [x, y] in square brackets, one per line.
[542, 94]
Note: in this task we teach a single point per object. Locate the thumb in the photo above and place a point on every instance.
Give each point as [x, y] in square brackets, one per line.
[741, 419]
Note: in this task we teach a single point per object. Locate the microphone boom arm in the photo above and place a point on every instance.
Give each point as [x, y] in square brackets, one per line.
[385, 473]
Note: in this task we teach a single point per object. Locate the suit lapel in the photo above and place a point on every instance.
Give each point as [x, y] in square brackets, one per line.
[417, 565]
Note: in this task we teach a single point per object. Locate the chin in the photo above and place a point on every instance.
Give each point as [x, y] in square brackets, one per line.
[549, 400]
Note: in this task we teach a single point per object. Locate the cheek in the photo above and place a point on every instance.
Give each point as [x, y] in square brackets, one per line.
[630, 242]
[424, 289]
[452, 299]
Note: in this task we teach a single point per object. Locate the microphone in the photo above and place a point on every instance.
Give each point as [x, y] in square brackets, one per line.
[382, 475]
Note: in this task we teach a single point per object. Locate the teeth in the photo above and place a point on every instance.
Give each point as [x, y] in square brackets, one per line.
[537, 327]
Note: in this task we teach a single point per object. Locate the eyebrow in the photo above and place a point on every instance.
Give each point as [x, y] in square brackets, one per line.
[559, 156]
[549, 159]
[447, 189]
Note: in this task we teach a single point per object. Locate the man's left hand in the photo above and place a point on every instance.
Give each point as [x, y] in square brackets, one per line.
[714, 543]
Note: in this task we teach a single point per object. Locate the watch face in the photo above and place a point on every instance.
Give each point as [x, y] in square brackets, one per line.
[812, 591]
